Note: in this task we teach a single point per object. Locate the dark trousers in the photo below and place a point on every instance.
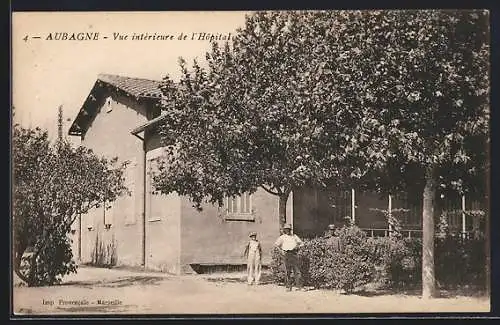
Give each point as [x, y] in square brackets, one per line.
[292, 264]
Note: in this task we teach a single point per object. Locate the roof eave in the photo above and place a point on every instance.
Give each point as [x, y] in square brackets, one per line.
[148, 125]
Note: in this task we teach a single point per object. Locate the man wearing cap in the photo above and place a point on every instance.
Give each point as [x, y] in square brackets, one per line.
[253, 254]
[331, 238]
[289, 244]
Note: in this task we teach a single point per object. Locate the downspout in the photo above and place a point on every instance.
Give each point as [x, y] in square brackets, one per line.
[353, 206]
[464, 223]
[79, 237]
[144, 196]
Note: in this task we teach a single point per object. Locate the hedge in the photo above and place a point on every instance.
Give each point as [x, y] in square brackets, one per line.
[393, 261]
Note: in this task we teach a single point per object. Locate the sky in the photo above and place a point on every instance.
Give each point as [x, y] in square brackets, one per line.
[49, 73]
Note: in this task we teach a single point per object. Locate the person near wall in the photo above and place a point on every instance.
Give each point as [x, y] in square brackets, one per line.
[289, 244]
[253, 254]
[331, 238]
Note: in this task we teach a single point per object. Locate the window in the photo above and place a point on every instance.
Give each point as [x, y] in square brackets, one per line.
[109, 105]
[239, 207]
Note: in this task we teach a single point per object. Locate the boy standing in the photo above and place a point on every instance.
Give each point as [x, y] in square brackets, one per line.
[253, 253]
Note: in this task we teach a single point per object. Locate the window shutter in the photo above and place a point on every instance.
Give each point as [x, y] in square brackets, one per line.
[108, 215]
[154, 198]
[129, 201]
[90, 220]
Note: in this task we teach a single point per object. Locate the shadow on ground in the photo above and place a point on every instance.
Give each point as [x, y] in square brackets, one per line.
[117, 283]
[238, 278]
[95, 308]
[441, 293]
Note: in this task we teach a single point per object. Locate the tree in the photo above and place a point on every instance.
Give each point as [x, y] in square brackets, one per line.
[386, 99]
[52, 185]
[423, 82]
[263, 114]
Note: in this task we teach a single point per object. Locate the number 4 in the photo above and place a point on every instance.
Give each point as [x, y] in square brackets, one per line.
[25, 38]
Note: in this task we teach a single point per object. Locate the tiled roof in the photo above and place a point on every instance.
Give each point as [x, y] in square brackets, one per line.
[137, 87]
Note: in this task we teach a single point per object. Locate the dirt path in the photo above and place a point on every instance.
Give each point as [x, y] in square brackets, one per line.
[102, 291]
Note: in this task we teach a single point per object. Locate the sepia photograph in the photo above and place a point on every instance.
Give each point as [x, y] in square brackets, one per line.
[250, 162]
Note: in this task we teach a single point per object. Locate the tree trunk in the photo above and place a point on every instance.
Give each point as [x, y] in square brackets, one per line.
[487, 236]
[428, 279]
[20, 247]
[17, 265]
[283, 198]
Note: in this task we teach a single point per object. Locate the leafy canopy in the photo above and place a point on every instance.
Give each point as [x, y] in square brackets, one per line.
[346, 98]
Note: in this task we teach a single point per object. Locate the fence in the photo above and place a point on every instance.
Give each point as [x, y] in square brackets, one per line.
[410, 222]
[414, 233]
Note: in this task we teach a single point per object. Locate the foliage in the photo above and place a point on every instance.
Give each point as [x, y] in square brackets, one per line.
[401, 261]
[459, 261]
[324, 267]
[393, 218]
[104, 254]
[277, 266]
[52, 185]
[325, 97]
[393, 261]
[51, 262]
[355, 265]
[421, 80]
[262, 114]
[443, 229]
[392, 100]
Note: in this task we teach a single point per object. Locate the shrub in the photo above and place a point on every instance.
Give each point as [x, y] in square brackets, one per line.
[277, 266]
[324, 267]
[401, 261]
[355, 262]
[317, 262]
[398, 260]
[457, 261]
[460, 261]
[50, 262]
[104, 254]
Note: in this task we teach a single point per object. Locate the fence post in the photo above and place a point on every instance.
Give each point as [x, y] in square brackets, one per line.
[353, 206]
[464, 229]
[389, 215]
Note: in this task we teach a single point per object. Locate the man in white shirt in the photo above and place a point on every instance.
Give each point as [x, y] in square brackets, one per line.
[289, 244]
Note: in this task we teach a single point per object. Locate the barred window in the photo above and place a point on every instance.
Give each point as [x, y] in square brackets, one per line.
[239, 207]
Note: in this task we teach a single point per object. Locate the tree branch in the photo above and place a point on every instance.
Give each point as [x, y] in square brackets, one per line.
[269, 191]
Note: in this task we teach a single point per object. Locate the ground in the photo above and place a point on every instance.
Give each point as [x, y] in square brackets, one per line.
[118, 291]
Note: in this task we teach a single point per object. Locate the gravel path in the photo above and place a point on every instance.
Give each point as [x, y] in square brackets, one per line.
[104, 291]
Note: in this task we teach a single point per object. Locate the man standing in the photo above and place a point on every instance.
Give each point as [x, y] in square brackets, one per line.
[289, 244]
[331, 238]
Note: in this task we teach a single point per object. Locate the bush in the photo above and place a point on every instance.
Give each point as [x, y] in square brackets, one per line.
[458, 262]
[355, 263]
[277, 266]
[401, 261]
[324, 267]
[51, 262]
